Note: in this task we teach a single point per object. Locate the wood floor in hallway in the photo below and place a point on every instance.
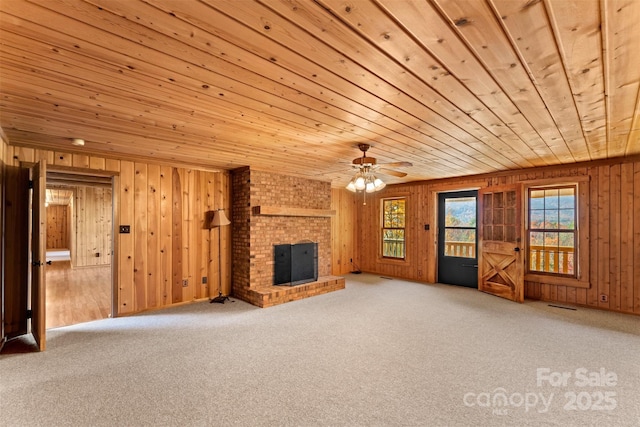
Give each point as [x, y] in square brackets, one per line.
[76, 295]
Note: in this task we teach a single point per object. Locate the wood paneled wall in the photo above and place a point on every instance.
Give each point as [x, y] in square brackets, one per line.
[58, 226]
[93, 226]
[614, 232]
[343, 231]
[167, 257]
[3, 153]
[614, 267]
[419, 263]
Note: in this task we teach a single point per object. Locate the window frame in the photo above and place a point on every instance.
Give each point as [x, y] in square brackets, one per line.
[383, 228]
[475, 228]
[573, 231]
[580, 279]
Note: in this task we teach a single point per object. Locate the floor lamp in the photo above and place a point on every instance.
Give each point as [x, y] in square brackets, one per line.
[218, 220]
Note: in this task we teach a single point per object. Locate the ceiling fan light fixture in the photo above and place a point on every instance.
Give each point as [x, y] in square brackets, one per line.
[370, 187]
[364, 180]
[378, 184]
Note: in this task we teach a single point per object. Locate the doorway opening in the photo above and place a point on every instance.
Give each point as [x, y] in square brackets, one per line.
[79, 243]
[458, 238]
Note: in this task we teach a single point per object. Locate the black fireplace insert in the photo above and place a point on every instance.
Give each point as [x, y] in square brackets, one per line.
[295, 264]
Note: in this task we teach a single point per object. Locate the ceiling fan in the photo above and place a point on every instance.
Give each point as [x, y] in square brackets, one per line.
[372, 163]
[364, 179]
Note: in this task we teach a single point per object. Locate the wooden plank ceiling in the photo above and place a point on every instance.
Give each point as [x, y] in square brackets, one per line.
[455, 87]
[58, 196]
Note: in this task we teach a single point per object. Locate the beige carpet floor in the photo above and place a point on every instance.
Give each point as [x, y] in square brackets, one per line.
[379, 353]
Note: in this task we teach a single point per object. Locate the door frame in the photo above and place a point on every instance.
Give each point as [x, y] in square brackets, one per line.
[441, 226]
[434, 197]
[38, 253]
[89, 177]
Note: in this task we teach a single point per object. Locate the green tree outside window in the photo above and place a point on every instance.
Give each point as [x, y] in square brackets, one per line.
[393, 228]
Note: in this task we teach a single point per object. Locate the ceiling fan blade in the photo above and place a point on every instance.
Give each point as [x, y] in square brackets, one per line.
[392, 172]
[397, 164]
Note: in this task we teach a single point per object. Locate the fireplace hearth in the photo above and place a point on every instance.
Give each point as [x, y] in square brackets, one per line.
[295, 264]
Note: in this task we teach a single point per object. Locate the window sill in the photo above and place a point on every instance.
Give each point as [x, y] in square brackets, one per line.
[387, 260]
[557, 280]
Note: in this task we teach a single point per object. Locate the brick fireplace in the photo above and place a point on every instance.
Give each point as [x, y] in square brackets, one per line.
[271, 209]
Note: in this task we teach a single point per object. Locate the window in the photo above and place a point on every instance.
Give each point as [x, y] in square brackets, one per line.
[552, 234]
[393, 225]
[460, 227]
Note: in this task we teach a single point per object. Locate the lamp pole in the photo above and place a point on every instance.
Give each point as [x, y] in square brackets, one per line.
[218, 220]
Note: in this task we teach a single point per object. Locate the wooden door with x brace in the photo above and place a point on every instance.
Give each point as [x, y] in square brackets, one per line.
[500, 262]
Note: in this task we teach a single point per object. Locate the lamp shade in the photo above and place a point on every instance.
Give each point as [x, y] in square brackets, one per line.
[370, 187]
[219, 219]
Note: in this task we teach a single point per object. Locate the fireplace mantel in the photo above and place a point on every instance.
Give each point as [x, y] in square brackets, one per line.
[290, 211]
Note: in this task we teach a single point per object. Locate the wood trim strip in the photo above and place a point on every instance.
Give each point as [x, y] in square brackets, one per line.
[289, 211]
[552, 280]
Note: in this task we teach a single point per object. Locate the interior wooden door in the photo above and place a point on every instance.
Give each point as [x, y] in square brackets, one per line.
[38, 254]
[500, 259]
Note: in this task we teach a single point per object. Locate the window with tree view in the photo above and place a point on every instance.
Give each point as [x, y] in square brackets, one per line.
[460, 227]
[552, 230]
[393, 225]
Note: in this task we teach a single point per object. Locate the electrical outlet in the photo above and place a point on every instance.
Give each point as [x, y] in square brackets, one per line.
[125, 229]
[185, 283]
[204, 280]
[604, 298]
